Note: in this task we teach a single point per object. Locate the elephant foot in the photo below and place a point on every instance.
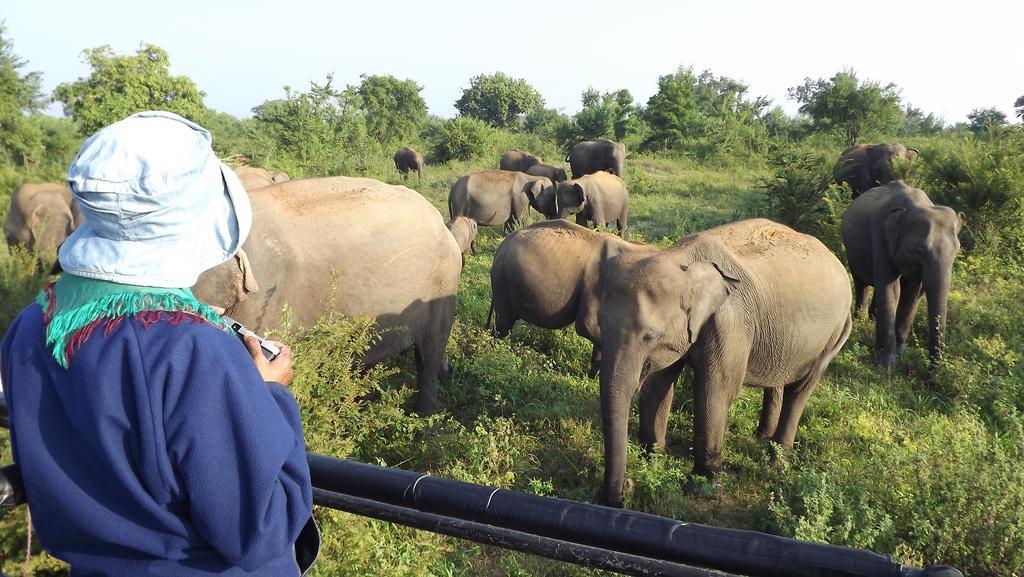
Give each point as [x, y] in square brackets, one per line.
[702, 486]
[617, 501]
[886, 360]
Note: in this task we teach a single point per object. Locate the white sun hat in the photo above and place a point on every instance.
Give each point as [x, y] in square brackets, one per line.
[159, 206]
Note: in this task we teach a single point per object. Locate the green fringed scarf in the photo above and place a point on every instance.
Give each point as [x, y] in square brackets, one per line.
[74, 306]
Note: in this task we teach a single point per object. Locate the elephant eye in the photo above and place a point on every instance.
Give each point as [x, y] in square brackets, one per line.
[651, 336]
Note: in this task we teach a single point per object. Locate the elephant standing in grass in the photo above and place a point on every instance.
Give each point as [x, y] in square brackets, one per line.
[518, 161]
[365, 247]
[408, 160]
[548, 275]
[553, 173]
[751, 302]
[464, 230]
[592, 156]
[496, 197]
[899, 242]
[599, 198]
[865, 166]
[41, 216]
[256, 177]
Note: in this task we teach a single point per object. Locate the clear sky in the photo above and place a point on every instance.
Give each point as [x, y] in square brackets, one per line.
[947, 57]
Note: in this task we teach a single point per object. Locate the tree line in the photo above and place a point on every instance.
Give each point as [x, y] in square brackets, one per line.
[699, 115]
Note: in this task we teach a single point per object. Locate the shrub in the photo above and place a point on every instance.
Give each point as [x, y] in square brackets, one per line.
[801, 193]
[462, 138]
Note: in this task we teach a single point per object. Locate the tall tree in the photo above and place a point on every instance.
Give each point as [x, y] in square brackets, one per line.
[20, 95]
[672, 111]
[982, 118]
[848, 107]
[498, 99]
[120, 85]
[394, 108]
[917, 123]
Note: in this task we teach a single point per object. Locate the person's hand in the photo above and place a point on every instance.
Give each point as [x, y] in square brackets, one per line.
[278, 370]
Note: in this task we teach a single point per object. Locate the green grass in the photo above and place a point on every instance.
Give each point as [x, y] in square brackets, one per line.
[925, 473]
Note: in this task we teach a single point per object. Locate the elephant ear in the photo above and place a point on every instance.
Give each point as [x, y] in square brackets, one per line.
[249, 284]
[893, 228]
[706, 289]
[579, 195]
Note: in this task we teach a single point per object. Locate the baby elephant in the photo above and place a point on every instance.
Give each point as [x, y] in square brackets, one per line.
[600, 197]
[548, 275]
[464, 230]
[407, 160]
[496, 197]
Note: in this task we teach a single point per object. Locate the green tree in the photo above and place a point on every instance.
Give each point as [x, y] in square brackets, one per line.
[848, 107]
[20, 95]
[985, 118]
[498, 100]
[672, 111]
[917, 123]
[314, 132]
[121, 85]
[394, 108]
[462, 138]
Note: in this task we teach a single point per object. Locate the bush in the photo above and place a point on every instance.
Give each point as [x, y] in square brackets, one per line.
[462, 138]
[801, 194]
[984, 178]
[951, 494]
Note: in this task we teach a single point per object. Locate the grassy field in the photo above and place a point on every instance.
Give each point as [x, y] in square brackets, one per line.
[928, 473]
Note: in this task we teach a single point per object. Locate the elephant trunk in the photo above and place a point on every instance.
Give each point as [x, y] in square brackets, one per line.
[620, 378]
[937, 278]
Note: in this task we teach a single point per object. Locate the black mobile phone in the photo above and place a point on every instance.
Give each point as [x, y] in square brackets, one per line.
[269, 351]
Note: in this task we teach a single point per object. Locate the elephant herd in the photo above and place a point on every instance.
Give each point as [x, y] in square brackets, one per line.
[751, 303]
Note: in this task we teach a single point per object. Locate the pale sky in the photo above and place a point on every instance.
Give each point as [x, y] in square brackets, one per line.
[948, 57]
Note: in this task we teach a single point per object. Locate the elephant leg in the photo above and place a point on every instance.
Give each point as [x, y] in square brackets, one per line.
[431, 363]
[655, 406]
[887, 296]
[715, 387]
[796, 395]
[595, 362]
[910, 297]
[860, 292]
[580, 219]
[771, 408]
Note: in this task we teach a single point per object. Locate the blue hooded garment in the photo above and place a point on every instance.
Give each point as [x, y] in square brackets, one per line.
[159, 452]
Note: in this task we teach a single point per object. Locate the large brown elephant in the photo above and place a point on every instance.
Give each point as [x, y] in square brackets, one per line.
[548, 275]
[387, 247]
[752, 302]
[41, 216]
[865, 166]
[518, 161]
[256, 177]
[899, 242]
[592, 156]
[496, 197]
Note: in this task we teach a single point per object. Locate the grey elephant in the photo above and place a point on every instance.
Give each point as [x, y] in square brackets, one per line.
[548, 274]
[518, 161]
[464, 230]
[748, 303]
[899, 242]
[41, 216]
[496, 197]
[368, 248]
[255, 177]
[592, 156]
[599, 198]
[865, 166]
[553, 173]
[407, 160]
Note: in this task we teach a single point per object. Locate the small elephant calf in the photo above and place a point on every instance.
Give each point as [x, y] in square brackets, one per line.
[464, 230]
